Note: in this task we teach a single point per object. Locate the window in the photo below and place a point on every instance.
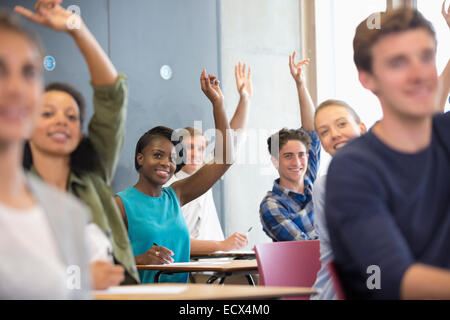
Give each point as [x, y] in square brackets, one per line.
[337, 76]
[432, 11]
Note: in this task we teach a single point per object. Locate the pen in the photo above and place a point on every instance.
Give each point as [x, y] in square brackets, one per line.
[109, 254]
[249, 229]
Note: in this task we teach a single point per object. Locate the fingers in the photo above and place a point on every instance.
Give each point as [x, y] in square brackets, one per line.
[164, 250]
[161, 254]
[303, 62]
[28, 14]
[105, 275]
[240, 240]
[204, 80]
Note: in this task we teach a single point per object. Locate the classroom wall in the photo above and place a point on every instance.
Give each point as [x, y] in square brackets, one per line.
[140, 36]
[263, 33]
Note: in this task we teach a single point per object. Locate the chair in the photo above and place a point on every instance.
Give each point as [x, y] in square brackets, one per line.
[288, 263]
[340, 294]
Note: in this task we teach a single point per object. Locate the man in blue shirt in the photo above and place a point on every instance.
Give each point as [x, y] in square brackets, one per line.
[387, 201]
[287, 211]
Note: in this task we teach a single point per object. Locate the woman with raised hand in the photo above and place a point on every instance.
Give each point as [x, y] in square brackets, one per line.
[41, 229]
[201, 214]
[156, 227]
[82, 165]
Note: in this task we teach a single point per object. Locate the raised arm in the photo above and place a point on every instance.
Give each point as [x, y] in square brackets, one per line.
[107, 126]
[49, 13]
[444, 78]
[194, 186]
[307, 108]
[245, 89]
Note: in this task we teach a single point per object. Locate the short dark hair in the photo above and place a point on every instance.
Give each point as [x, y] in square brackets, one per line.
[392, 21]
[334, 102]
[10, 22]
[281, 137]
[73, 92]
[158, 132]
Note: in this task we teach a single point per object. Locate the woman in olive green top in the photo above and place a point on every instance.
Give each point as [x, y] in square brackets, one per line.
[84, 166]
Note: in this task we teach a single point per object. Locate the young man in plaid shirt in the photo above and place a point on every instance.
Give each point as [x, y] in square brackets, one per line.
[287, 212]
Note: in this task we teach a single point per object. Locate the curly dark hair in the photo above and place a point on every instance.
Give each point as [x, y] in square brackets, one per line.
[164, 132]
[280, 138]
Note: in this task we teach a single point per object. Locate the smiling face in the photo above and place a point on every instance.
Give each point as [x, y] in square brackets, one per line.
[58, 131]
[156, 161]
[292, 162]
[404, 75]
[195, 153]
[21, 86]
[335, 127]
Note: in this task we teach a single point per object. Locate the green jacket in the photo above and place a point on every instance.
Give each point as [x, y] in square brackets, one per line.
[107, 132]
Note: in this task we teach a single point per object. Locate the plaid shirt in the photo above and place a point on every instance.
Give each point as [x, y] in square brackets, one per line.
[287, 215]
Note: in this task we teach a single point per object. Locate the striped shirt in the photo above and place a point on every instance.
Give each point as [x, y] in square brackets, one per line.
[287, 215]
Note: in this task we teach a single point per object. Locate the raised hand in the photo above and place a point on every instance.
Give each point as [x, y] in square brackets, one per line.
[210, 87]
[105, 275]
[446, 13]
[155, 255]
[235, 241]
[243, 82]
[296, 69]
[49, 13]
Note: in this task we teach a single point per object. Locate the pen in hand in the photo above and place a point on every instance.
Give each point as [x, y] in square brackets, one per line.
[157, 253]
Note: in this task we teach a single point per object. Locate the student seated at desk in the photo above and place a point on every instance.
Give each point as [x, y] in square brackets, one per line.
[287, 211]
[387, 200]
[336, 124]
[41, 229]
[156, 227]
[201, 214]
[60, 154]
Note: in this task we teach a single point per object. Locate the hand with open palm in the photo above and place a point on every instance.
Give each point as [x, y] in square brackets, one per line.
[297, 71]
[210, 87]
[51, 14]
[243, 81]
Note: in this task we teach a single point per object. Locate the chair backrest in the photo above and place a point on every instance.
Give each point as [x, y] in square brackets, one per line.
[337, 284]
[288, 263]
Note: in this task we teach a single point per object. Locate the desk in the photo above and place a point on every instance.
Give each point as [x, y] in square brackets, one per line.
[222, 269]
[237, 255]
[195, 291]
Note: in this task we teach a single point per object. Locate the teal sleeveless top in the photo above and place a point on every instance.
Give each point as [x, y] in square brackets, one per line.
[158, 220]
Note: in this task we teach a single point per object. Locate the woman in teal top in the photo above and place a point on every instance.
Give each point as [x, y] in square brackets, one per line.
[166, 227]
[152, 214]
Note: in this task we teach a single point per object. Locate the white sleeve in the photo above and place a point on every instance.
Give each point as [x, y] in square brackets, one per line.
[99, 246]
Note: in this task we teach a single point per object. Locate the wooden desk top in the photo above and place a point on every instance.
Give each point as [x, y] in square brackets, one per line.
[225, 254]
[199, 266]
[196, 291]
